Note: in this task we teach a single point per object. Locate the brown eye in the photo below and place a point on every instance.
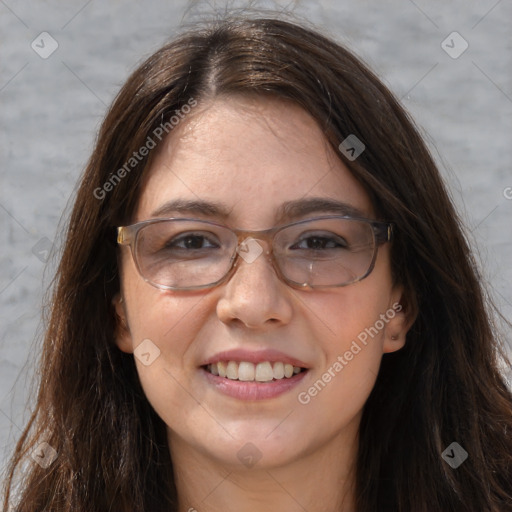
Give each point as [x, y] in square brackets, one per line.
[319, 242]
[190, 241]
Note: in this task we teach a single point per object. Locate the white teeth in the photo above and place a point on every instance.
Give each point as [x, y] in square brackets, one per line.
[232, 370]
[278, 369]
[245, 371]
[264, 372]
[249, 372]
[221, 367]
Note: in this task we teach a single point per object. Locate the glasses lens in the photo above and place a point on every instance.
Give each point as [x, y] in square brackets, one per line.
[326, 252]
[183, 253]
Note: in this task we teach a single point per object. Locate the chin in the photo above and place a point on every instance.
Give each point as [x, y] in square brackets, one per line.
[252, 450]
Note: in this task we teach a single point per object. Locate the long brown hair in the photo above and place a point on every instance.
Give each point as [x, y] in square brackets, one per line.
[443, 386]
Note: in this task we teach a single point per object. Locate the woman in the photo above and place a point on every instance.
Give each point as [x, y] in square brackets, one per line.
[287, 317]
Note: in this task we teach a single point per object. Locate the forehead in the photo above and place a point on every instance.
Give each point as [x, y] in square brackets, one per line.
[248, 156]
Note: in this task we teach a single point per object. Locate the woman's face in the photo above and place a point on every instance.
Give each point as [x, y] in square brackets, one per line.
[251, 156]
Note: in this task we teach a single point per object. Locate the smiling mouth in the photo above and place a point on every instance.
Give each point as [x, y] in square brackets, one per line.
[246, 371]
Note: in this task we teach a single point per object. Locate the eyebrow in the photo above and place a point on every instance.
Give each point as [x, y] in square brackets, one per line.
[288, 211]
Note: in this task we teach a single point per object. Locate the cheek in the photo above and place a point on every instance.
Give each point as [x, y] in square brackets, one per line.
[172, 323]
[355, 318]
[169, 319]
[335, 394]
[353, 314]
[163, 326]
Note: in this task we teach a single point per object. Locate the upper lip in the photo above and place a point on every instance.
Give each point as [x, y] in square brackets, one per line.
[254, 356]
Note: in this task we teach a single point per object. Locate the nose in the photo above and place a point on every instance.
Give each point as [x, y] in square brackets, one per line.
[254, 295]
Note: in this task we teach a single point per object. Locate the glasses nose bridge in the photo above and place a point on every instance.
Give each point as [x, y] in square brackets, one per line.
[247, 251]
[264, 235]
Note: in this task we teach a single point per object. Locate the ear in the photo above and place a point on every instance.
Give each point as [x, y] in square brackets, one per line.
[122, 334]
[401, 315]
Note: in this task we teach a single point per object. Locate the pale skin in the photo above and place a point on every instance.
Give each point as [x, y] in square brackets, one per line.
[253, 155]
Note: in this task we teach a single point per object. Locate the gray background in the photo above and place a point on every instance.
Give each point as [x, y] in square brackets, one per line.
[50, 110]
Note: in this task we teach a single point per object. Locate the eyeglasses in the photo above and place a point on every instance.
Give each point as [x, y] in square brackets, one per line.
[186, 254]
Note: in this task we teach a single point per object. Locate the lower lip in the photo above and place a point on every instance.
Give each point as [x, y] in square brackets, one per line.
[253, 390]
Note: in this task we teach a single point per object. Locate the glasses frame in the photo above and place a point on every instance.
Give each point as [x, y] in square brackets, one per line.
[383, 232]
